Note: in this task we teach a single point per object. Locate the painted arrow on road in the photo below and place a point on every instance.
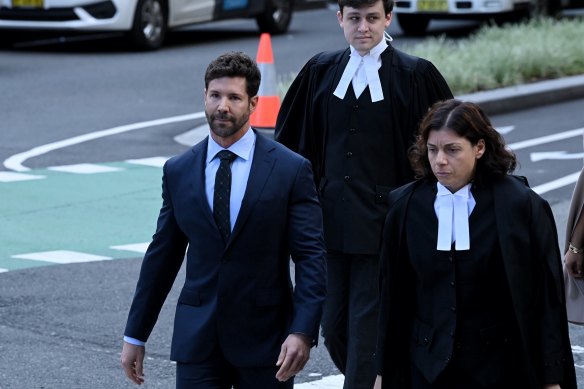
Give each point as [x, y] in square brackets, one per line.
[540, 156]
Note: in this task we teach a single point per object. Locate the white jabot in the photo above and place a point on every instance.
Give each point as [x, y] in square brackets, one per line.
[362, 71]
[453, 210]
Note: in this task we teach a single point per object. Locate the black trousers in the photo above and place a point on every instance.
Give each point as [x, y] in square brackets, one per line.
[457, 377]
[351, 310]
[217, 373]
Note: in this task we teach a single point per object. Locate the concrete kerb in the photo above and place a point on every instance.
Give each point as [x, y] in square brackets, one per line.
[526, 96]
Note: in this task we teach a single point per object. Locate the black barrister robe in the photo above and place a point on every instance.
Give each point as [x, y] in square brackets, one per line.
[531, 259]
[414, 85]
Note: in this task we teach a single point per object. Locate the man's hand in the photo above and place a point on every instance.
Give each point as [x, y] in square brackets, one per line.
[293, 356]
[133, 362]
[574, 263]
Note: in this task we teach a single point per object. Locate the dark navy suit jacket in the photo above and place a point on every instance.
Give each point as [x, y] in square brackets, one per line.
[237, 296]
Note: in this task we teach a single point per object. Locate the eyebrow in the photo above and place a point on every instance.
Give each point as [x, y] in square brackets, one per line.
[447, 144]
[357, 13]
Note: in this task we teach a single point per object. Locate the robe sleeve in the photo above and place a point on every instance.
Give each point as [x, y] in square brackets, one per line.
[395, 295]
[293, 125]
[553, 327]
[431, 87]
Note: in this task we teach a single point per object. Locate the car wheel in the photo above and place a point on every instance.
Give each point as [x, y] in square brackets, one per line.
[413, 24]
[276, 17]
[150, 25]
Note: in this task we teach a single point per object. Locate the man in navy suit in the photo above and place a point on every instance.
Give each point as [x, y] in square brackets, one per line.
[240, 322]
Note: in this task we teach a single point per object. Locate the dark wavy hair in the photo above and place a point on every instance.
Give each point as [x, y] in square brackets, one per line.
[468, 121]
[235, 64]
[387, 4]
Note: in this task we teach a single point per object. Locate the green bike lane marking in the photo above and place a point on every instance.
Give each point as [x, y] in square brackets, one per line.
[85, 213]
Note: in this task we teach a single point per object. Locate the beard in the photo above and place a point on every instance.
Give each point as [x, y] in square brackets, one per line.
[228, 126]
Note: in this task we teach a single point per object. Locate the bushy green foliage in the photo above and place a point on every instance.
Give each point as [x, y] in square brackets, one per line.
[496, 57]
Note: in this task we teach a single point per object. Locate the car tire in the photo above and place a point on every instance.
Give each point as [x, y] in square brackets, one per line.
[413, 24]
[276, 17]
[150, 25]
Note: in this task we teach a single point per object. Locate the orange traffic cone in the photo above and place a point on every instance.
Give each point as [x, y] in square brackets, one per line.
[268, 106]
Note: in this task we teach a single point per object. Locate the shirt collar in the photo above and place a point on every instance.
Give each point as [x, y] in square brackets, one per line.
[462, 192]
[242, 148]
[375, 52]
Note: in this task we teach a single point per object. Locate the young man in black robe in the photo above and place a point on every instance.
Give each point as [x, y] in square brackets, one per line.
[353, 113]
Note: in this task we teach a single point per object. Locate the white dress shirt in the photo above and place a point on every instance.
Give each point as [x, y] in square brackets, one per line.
[240, 169]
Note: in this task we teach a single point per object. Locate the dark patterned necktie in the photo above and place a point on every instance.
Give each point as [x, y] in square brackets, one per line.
[223, 193]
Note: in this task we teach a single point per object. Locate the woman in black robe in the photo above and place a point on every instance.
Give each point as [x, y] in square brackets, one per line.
[472, 293]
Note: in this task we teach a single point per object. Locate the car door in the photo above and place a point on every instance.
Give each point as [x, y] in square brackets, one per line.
[191, 11]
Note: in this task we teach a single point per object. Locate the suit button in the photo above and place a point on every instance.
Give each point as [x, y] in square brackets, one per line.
[450, 259]
[349, 154]
[447, 360]
[355, 107]
[426, 341]
[352, 130]
[452, 334]
[452, 283]
[347, 178]
[453, 308]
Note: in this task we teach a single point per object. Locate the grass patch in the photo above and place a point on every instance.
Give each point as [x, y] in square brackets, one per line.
[496, 57]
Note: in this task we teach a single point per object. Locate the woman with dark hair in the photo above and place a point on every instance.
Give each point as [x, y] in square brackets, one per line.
[471, 276]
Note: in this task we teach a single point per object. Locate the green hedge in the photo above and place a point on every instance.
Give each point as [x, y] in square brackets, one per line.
[496, 57]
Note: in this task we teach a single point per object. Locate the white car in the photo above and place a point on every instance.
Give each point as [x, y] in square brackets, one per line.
[414, 16]
[145, 21]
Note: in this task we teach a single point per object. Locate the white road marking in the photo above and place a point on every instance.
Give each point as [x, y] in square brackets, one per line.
[153, 161]
[540, 156]
[2, 270]
[193, 136]
[12, 177]
[555, 184]
[330, 382]
[16, 161]
[85, 168]
[62, 257]
[546, 139]
[577, 349]
[136, 247]
[505, 129]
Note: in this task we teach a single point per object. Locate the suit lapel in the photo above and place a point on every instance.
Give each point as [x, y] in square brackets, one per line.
[197, 181]
[261, 168]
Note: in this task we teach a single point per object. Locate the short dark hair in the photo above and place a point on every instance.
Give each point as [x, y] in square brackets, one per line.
[235, 64]
[468, 121]
[387, 4]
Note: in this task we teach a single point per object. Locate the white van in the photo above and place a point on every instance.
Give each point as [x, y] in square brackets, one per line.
[144, 21]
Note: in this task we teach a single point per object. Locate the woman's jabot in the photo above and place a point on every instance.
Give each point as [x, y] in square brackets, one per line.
[453, 211]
